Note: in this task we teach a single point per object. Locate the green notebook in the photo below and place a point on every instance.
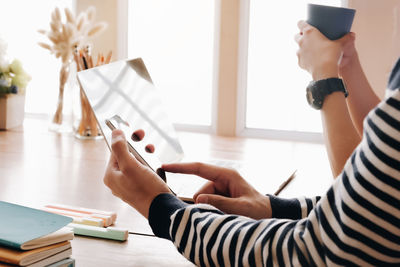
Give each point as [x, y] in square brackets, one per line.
[21, 225]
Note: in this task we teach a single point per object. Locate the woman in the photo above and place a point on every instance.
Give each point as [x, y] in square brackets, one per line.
[355, 223]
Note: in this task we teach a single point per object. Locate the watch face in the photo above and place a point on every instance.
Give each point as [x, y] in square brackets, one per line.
[314, 97]
[309, 96]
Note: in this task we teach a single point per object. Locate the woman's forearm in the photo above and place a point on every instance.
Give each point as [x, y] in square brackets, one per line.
[340, 136]
[361, 98]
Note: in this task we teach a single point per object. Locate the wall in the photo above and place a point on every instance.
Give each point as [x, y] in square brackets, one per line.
[376, 25]
[106, 11]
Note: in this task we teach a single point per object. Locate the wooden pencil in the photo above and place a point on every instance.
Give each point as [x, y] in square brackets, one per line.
[285, 183]
[108, 58]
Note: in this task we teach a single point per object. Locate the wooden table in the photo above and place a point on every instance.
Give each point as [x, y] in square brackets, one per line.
[38, 167]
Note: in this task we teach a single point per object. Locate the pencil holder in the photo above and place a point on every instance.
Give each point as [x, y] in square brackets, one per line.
[87, 127]
[85, 123]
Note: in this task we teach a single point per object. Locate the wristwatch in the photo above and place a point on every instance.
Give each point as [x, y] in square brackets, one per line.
[318, 90]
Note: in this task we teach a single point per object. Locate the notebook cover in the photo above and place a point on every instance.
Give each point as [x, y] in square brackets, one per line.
[20, 224]
[70, 262]
[47, 261]
[18, 257]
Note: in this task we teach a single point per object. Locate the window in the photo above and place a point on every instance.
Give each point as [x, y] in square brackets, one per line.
[180, 58]
[175, 38]
[275, 86]
[22, 38]
[180, 41]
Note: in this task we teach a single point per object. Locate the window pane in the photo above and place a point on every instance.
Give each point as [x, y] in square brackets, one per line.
[175, 38]
[275, 84]
[20, 20]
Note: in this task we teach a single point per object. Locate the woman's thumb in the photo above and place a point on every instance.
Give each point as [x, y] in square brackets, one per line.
[222, 203]
[350, 37]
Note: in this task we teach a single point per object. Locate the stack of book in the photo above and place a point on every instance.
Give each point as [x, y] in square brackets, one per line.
[32, 237]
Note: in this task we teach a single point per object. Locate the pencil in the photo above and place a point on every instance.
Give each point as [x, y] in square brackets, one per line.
[285, 183]
[90, 62]
[78, 65]
[84, 62]
[108, 58]
[98, 60]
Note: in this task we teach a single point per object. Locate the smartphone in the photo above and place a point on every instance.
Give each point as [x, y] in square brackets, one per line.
[139, 152]
[137, 149]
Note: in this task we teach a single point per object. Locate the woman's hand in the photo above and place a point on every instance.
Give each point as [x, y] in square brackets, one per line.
[226, 190]
[129, 180]
[320, 56]
[350, 56]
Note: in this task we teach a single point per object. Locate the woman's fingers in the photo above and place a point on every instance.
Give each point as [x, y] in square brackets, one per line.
[207, 188]
[207, 171]
[121, 153]
[302, 24]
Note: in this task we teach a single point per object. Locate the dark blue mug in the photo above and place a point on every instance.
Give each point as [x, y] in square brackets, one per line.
[333, 22]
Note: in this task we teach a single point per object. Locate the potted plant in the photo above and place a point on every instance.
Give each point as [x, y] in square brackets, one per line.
[13, 82]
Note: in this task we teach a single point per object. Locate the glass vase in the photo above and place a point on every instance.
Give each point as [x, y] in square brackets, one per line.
[61, 121]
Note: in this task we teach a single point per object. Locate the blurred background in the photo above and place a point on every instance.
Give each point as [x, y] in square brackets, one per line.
[227, 67]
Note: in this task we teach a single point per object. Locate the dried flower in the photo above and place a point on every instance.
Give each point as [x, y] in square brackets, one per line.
[74, 33]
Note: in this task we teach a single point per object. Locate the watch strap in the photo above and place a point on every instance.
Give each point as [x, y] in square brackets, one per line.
[318, 90]
[331, 85]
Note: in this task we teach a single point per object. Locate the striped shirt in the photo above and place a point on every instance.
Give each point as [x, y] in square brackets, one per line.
[356, 223]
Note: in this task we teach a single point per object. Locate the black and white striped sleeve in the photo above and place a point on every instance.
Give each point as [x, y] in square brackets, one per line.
[357, 222]
[292, 208]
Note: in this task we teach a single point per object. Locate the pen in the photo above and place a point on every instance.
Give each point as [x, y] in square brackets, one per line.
[108, 216]
[285, 183]
[108, 233]
[80, 218]
[83, 210]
